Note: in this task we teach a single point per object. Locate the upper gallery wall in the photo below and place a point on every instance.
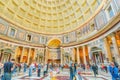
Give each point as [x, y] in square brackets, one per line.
[105, 20]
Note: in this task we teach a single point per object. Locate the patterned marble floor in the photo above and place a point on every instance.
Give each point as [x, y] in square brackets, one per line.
[65, 76]
[43, 78]
[100, 76]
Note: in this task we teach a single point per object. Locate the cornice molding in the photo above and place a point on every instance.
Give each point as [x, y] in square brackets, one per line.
[7, 39]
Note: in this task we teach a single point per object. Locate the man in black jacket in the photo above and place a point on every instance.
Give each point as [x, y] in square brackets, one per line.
[72, 71]
[8, 68]
[95, 69]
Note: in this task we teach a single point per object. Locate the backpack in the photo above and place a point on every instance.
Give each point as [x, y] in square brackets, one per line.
[114, 73]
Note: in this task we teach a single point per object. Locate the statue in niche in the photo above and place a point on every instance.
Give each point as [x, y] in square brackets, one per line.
[29, 37]
[92, 27]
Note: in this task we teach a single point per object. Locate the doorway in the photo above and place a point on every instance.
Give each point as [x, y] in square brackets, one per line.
[97, 55]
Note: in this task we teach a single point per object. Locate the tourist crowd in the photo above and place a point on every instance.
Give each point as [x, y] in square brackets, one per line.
[11, 68]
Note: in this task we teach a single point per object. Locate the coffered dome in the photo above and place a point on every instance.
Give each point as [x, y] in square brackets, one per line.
[50, 16]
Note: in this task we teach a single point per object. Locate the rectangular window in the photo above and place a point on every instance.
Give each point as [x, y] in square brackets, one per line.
[66, 39]
[42, 40]
[110, 12]
[12, 32]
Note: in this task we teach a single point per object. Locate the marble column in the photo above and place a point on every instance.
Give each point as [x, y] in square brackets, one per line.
[108, 50]
[42, 59]
[116, 49]
[34, 55]
[1, 54]
[46, 55]
[2, 59]
[69, 58]
[63, 58]
[84, 55]
[16, 51]
[73, 55]
[61, 55]
[37, 58]
[28, 59]
[22, 54]
[78, 56]
[89, 53]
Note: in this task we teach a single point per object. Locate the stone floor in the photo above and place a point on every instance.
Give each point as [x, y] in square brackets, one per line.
[64, 75]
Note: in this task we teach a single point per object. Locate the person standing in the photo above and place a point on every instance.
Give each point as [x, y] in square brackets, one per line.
[114, 71]
[106, 69]
[62, 66]
[95, 69]
[115, 63]
[78, 72]
[31, 67]
[19, 65]
[39, 70]
[8, 68]
[35, 66]
[14, 71]
[45, 70]
[25, 67]
[75, 66]
[51, 67]
[72, 71]
[1, 66]
[119, 72]
[83, 66]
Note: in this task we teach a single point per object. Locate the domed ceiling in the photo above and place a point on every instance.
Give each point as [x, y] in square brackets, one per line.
[49, 16]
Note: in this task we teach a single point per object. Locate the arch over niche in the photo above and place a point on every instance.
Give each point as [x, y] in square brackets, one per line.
[54, 43]
[53, 51]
